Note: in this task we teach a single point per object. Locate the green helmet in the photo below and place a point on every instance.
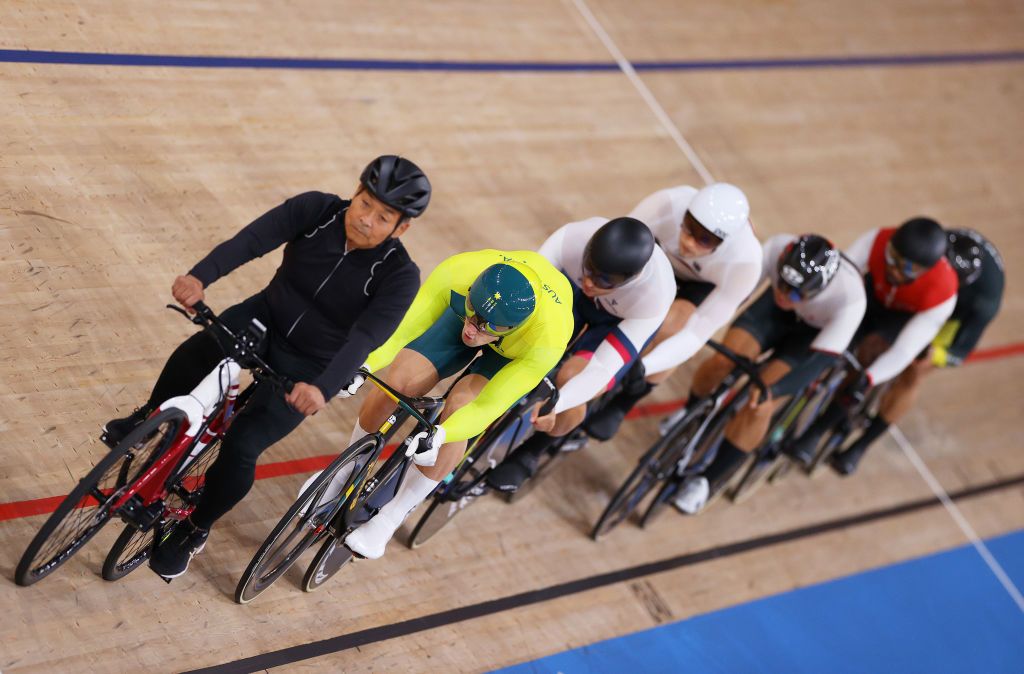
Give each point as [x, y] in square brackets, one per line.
[502, 296]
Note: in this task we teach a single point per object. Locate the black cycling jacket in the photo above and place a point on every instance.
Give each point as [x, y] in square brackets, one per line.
[331, 305]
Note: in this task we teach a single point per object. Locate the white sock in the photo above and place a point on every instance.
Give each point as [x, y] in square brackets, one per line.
[414, 489]
[358, 433]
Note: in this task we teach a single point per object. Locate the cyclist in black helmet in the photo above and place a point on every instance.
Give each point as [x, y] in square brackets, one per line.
[982, 278]
[343, 285]
[911, 290]
[623, 287]
[807, 315]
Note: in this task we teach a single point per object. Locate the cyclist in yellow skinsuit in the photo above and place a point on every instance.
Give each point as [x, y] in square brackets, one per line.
[516, 309]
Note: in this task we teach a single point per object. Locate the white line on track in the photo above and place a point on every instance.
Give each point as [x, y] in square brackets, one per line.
[897, 434]
[645, 93]
[958, 517]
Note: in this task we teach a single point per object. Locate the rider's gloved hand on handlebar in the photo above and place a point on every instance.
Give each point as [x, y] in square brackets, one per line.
[306, 399]
[352, 387]
[187, 290]
[428, 455]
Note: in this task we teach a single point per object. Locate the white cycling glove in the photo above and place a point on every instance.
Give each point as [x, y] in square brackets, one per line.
[351, 388]
[427, 457]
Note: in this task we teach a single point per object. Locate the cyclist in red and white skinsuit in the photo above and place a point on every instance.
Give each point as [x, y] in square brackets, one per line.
[716, 259]
[911, 290]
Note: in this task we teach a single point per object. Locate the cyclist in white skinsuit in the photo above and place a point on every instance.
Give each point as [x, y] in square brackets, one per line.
[807, 316]
[623, 286]
[716, 258]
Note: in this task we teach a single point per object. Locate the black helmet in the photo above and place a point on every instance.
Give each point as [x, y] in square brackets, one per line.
[964, 253]
[399, 183]
[921, 241]
[617, 252]
[806, 267]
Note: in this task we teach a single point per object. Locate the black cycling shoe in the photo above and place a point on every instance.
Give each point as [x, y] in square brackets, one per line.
[845, 463]
[115, 430]
[802, 449]
[604, 424]
[510, 474]
[172, 555]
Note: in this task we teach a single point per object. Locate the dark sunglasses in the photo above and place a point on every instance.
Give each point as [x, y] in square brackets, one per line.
[483, 325]
[700, 234]
[602, 280]
[793, 294]
[908, 269]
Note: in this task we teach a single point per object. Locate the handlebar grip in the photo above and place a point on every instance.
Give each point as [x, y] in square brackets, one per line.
[547, 407]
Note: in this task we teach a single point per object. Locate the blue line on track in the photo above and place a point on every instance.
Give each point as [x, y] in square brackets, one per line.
[172, 61]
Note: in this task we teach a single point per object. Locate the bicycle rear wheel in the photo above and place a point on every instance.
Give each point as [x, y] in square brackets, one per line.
[134, 546]
[656, 465]
[443, 507]
[88, 507]
[302, 526]
[708, 442]
[331, 558]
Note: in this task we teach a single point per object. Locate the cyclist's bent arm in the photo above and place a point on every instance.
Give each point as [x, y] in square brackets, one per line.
[620, 347]
[274, 228]
[430, 302]
[377, 321]
[860, 250]
[511, 383]
[663, 210]
[913, 338]
[713, 313]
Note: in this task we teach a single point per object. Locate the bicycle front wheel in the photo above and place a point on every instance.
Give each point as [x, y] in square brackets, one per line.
[655, 466]
[302, 526]
[89, 506]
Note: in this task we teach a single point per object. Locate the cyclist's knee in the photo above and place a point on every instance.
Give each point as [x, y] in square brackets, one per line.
[465, 392]
[711, 372]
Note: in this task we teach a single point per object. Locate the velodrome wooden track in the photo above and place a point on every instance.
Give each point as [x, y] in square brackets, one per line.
[113, 179]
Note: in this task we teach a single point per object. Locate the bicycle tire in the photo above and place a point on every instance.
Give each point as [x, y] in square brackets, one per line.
[134, 546]
[137, 544]
[436, 516]
[316, 575]
[257, 577]
[85, 521]
[657, 465]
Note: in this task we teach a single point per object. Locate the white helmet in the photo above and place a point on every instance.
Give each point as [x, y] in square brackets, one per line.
[721, 208]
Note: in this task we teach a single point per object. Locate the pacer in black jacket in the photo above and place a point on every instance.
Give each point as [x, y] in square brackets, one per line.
[343, 286]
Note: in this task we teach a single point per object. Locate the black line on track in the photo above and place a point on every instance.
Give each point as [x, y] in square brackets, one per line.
[443, 618]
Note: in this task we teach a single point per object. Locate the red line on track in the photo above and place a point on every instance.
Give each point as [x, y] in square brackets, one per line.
[42, 506]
